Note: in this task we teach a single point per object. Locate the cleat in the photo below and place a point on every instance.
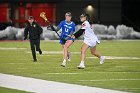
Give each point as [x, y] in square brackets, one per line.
[102, 59]
[81, 66]
[40, 52]
[63, 64]
[35, 60]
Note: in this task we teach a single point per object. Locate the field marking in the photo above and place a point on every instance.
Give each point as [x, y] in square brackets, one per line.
[128, 88]
[16, 63]
[125, 66]
[93, 73]
[125, 40]
[56, 52]
[44, 86]
[115, 57]
[1, 41]
[110, 80]
[107, 57]
[63, 73]
[11, 48]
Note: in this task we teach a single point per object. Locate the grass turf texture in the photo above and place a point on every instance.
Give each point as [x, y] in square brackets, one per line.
[117, 74]
[7, 90]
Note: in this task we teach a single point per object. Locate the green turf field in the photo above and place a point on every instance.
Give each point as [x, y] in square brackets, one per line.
[6, 90]
[118, 74]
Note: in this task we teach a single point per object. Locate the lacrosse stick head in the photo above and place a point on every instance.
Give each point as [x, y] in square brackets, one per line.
[43, 15]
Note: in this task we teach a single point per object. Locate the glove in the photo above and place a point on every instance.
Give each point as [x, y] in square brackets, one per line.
[73, 36]
[53, 28]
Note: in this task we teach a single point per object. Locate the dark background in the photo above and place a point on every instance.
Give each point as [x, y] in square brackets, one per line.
[107, 12]
[130, 13]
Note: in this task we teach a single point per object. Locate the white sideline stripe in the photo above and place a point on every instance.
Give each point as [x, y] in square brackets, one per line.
[95, 72]
[111, 80]
[114, 57]
[56, 52]
[125, 66]
[63, 73]
[43, 86]
[125, 40]
[129, 88]
[107, 57]
[12, 48]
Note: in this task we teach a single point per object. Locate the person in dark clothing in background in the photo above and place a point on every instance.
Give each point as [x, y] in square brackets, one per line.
[34, 30]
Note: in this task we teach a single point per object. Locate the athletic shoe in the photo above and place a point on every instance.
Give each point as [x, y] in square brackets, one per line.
[81, 66]
[68, 57]
[63, 64]
[35, 60]
[40, 52]
[102, 59]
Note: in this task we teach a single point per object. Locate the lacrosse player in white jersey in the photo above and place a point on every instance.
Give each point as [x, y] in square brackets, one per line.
[90, 41]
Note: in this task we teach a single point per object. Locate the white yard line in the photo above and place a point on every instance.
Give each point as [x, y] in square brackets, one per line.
[43, 86]
[95, 73]
[111, 80]
[63, 73]
[56, 52]
[114, 57]
[107, 57]
[11, 48]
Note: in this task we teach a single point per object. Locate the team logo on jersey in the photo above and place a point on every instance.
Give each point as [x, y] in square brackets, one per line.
[34, 25]
[68, 26]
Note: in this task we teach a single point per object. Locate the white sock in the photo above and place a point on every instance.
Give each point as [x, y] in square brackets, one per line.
[101, 57]
[64, 60]
[82, 62]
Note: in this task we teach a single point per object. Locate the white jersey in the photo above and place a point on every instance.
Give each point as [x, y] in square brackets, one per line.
[89, 37]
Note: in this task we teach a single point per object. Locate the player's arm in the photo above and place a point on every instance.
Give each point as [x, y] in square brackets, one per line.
[73, 30]
[71, 33]
[79, 33]
[39, 29]
[68, 36]
[58, 27]
[26, 32]
[53, 29]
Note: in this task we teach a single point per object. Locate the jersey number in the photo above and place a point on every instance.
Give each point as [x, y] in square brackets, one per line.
[66, 30]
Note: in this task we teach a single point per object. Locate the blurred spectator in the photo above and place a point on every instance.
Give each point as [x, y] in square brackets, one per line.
[5, 25]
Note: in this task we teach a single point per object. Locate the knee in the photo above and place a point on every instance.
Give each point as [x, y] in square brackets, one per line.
[65, 47]
[93, 52]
